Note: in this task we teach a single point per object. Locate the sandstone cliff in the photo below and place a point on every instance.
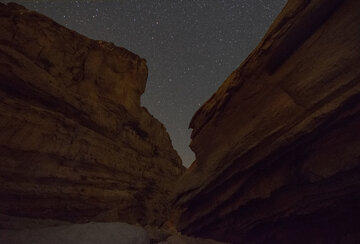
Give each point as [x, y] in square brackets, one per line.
[278, 145]
[75, 144]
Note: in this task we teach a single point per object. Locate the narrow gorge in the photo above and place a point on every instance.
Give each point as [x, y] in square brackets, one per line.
[277, 146]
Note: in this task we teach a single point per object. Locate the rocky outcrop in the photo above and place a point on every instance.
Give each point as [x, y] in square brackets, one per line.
[75, 144]
[278, 145]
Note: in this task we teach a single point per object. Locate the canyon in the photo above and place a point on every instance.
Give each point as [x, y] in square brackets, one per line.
[277, 146]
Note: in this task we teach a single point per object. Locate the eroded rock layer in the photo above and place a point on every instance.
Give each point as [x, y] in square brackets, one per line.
[278, 145]
[75, 144]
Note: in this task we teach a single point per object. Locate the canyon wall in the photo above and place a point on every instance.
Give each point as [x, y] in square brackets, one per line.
[75, 144]
[278, 145]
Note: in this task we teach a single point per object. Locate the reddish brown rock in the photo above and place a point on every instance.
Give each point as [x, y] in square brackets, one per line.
[278, 145]
[75, 144]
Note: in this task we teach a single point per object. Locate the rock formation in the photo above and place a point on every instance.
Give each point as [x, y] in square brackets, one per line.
[278, 145]
[75, 144]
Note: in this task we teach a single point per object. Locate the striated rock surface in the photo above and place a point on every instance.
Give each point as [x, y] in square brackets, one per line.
[278, 145]
[75, 144]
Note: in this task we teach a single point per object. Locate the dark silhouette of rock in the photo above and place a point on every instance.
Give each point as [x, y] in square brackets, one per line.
[75, 144]
[278, 145]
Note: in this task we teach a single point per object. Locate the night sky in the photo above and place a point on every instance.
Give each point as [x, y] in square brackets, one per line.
[191, 46]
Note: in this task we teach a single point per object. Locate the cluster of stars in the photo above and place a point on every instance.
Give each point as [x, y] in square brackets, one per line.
[190, 46]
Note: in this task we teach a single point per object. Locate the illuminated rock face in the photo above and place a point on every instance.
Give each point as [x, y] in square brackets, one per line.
[75, 144]
[278, 145]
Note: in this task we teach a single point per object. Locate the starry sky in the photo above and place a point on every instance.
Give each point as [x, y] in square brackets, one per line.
[191, 46]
